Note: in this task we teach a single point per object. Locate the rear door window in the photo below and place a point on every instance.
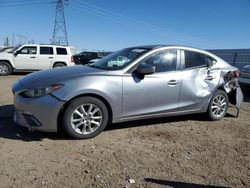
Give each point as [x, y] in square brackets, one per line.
[46, 50]
[61, 51]
[194, 59]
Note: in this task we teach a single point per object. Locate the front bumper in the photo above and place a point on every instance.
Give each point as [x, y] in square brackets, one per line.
[37, 113]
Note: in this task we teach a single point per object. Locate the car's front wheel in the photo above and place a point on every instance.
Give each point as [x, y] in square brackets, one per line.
[5, 68]
[85, 117]
[218, 105]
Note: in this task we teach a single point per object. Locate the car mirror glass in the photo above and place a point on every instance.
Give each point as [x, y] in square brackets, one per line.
[16, 53]
[143, 70]
[210, 63]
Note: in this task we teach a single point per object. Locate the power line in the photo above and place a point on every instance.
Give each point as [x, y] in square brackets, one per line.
[23, 3]
[133, 20]
[119, 18]
[123, 22]
[97, 13]
[17, 1]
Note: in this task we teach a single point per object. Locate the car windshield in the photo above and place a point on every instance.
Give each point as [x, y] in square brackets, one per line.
[14, 49]
[120, 59]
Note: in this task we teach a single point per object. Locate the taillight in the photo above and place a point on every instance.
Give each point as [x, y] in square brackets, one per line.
[236, 73]
[72, 59]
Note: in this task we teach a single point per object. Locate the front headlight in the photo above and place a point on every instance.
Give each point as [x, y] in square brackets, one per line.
[40, 91]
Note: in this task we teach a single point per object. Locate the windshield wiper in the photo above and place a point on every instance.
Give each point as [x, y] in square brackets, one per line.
[93, 65]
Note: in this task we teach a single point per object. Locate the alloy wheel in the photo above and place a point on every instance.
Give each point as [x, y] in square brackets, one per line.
[3, 69]
[86, 118]
[219, 106]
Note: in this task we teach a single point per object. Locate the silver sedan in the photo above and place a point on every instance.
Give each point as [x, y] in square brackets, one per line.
[130, 84]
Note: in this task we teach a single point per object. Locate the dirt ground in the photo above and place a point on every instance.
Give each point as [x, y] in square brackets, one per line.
[183, 151]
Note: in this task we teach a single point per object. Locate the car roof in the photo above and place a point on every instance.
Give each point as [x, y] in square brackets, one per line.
[51, 45]
[157, 46]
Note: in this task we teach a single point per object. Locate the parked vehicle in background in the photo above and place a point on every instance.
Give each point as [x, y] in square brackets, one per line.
[85, 57]
[239, 58]
[130, 84]
[32, 57]
[88, 57]
[6, 49]
[245, 76]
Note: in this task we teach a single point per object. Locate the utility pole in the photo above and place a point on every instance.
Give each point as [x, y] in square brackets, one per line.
[60, 32]
[21, 39]
[235, 58]
[18, 39]
[6, 42]
[13, 39]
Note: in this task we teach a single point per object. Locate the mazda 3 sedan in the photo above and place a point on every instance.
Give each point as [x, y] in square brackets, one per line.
[130, 84]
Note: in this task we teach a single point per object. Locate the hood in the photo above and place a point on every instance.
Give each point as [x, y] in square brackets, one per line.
[6, 54]
[58, 75]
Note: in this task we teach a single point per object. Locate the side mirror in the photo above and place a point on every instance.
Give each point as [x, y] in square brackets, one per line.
[143, 70]
[16, 53]
[209, 63]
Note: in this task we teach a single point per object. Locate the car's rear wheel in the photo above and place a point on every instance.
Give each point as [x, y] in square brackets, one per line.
[5, 68]
[77, 62]
[59, 65]
[218, 105]
[85, 117]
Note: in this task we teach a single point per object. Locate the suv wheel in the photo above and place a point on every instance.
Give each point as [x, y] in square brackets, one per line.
[218, 105]
[85, 117]
[5, 69]
[77, 62]
[59, 65]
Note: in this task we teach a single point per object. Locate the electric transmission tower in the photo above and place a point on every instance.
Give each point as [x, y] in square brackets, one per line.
[60, 32]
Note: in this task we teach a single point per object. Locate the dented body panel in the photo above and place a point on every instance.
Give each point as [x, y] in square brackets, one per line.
[128, 96]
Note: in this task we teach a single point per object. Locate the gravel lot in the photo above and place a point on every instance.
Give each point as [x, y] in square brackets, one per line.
[183, 151]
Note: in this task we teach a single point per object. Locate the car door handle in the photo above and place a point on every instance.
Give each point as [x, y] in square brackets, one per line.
[50, 57]
[172, 82]
[32, 57]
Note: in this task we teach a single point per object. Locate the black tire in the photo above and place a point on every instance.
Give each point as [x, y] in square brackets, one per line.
[59, 65]
[5, 68]
[84, 130]
[77, 62]
[216, 110]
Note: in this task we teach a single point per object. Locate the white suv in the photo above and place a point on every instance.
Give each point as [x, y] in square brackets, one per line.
[32, 57]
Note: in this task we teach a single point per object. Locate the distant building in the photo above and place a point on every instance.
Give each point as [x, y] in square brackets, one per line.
[236, 57]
